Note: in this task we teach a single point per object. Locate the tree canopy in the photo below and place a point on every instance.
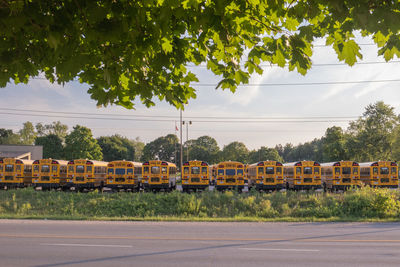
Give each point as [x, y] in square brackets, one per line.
[129, 50]
[80, 144]
[116, 147]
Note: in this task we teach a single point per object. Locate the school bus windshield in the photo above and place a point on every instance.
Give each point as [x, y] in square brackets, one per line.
[307, 170]
[346, 170]
[195, 170]
[230, 171]
[269, 170]
[80, 169]
[45, 168]
[155, 170]
[384, 170]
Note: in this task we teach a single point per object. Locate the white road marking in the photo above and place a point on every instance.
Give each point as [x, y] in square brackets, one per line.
[281, 249]
[86, 245]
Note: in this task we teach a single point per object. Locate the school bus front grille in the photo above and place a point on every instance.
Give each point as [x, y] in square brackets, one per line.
[269, 180]
[155, 179]
[45, 178]
[384, 180]
[230, 180]
[9, 178]
[195, 180]
[121, 180]
[79, 179]
[308, 180]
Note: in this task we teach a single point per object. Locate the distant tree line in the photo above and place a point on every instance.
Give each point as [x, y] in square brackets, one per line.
[373, 136]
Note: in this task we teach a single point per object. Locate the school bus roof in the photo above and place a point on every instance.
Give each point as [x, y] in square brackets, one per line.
[14, 160]
[378, 163]
[267, 163]
[339, 163]
[301, 163]
[86, 161]
[51, 161]
[136, 164]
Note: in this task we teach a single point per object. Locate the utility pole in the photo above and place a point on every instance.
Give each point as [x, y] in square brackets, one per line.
[181, 141]
[187, 139]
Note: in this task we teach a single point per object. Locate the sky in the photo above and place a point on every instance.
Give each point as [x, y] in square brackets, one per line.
[288, 105]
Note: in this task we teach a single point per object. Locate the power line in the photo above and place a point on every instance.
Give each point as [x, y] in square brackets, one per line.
[155, 120]
[306, 83]
[314, 64]
[294, 84]
[176, 117]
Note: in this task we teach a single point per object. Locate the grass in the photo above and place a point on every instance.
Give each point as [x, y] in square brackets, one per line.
[365, 204]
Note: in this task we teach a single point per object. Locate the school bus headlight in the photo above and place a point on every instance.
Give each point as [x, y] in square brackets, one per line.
[70, 181]
[36, 181]
[110, 181]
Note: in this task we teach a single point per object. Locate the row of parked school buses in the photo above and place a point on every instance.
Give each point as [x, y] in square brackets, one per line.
[84, 174]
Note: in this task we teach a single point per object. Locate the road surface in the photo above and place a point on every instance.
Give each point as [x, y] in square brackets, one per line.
[81, 243]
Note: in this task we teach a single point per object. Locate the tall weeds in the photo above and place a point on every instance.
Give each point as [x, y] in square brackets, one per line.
[364, 203]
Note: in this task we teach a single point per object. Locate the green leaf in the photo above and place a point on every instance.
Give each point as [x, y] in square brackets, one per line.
[166, 45]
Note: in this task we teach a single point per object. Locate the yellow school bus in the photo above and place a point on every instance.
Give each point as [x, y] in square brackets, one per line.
[86, 174]
[195, 175]
[15, 173]
[230, 175]
[158, 175]
[123, 174]
[49, 173]
[340, 175]
[380, 174]
[266, 175]
[302, 175]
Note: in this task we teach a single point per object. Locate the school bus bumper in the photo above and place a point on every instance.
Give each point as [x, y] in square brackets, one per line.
[225, 187]
[81, 186]
[46, 185]
[156, 186]
[194, 186]
[307, 187]
[12, 185]
[269, 186]
[122, 186]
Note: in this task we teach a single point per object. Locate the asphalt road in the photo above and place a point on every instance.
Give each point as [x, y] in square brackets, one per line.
[74, 243]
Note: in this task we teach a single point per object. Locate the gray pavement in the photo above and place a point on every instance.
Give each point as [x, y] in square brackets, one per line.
[83, 243]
